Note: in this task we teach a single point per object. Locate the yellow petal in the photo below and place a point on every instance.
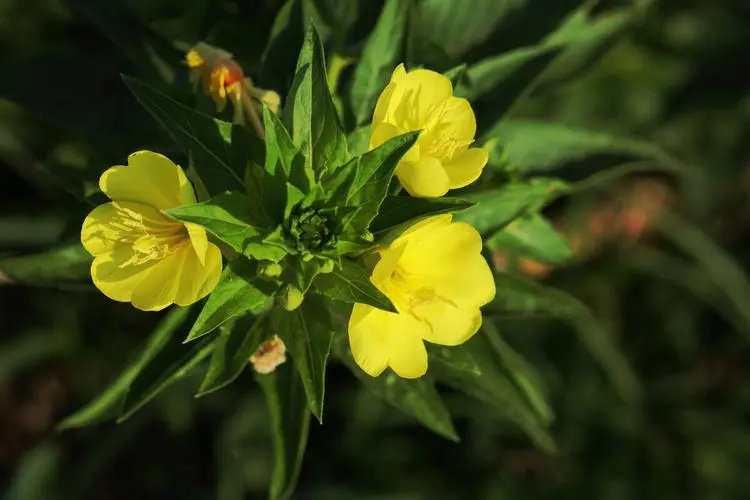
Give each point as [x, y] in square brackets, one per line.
[457, 119]
[433, 250]
[379, 339]
[198, 239]
[425, 178]
[149, 178]
[159, 287]
[449, 325]
[381, 274]
[466, 167]
[417, 94]
[115, 280]
[381, 134]
[407, 352]
[419, 229]
[198, 279]
[398, 74]
[367, 339]
[381, 107]
[470, 285]
[97, 236]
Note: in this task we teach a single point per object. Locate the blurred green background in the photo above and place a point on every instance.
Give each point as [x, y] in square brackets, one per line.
[660, 261]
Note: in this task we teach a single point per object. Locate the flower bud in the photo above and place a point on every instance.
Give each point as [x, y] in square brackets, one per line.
[291, 298]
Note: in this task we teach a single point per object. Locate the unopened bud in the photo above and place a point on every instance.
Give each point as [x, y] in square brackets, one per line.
[271, 270]
[327, 266]
[271, 99]
[269, 355]
[291, 298]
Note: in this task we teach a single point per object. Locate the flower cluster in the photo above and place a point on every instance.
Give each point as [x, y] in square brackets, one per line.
[432, 273]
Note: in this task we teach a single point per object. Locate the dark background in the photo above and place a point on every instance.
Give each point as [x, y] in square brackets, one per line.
[667, 294]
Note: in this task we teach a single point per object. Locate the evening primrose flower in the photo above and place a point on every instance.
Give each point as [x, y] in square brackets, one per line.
[437, 280]
[141, 255]
[441, 159]
[223, 79]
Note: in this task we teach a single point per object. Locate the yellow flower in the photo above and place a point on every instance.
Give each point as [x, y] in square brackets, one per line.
[441, 159]
[141, 255]
[437, 279]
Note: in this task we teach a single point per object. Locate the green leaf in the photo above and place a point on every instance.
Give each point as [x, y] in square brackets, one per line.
[197, 134]
[283, 161]
[352, 284]
[239, 291]
[379, 57]
[587, 39]
[290, 423]
[109, 403]
[68, 263]
[456, 74]
[456, 359]
[497, 207]
[231, 353]
[569, 152]
[170, 364]
[307, 333]
[494, 387]
[398, 210]
[359, 140]
[496, 83]
[287, 34]
[520, 296]
[363, 182]
[233, 219]
[532, 236]
[528, 381]
[416, 397]
[309, 112]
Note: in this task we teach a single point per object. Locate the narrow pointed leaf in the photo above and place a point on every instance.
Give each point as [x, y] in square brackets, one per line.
[397, 210]
[417, 397]
[307, 333]
[363, 182]
[239, 291]
[235, 220]
[352, 284]
[290, 423]
[309, 112]
[108, 404]
[495, 208]
[197, 134]
[231, 353]
[380, 56]
[532, 236]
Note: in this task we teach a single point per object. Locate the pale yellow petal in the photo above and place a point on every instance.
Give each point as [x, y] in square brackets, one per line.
[449, 324]
[367, 338]
[407, 352]
[457, 119]
[198, 279]
[446, 247]
[198, 239]
[381, 107]
[159, 287]
[420, 228]
[398, 73]
[97, 235]
[381, 134]
[149, 178]
[417, 94]
[466, 167]
[116, 280]
[425, 178]
[381, 274]
[470, 285]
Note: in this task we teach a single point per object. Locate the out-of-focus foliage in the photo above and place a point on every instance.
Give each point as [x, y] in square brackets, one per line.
[635, 375]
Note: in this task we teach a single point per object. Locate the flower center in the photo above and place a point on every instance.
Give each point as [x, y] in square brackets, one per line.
[150, 238]
[406, 292]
